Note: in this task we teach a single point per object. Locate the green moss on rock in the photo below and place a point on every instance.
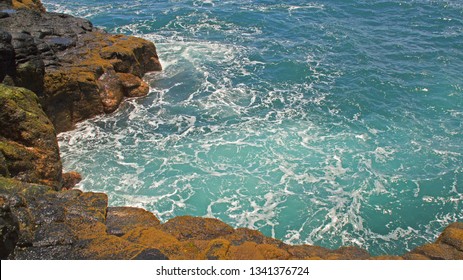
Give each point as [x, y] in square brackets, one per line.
[27, 139]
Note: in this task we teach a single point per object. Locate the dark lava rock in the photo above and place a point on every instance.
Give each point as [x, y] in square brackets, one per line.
[9, 229]
[7, 54]
[150, 254]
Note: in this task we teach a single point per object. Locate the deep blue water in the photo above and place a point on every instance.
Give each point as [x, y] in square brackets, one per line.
[327, 122]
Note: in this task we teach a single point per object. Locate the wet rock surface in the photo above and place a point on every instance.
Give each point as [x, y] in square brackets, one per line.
[71, 224]
[77, 71]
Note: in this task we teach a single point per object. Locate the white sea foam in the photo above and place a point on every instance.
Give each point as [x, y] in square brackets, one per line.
[224, 133]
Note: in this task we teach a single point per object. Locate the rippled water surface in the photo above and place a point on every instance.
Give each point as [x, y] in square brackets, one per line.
[327, 122]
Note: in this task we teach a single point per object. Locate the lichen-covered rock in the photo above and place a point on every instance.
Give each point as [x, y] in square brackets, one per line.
[217, 249]
[70, 179]
[306, 252]
[453, 236]
[28, 4]
[241, 235]
[164, 242]
[120, 220]
[245, 251]
[78, 71]
[271, 252]
[351, 253]
[438, 251]
[187, 227]
[386, 258]
[150, 254]
[27, 139]
[110, 247]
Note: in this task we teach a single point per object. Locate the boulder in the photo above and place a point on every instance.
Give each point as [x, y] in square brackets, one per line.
[78, 71]
[453, 236]
[27, 139]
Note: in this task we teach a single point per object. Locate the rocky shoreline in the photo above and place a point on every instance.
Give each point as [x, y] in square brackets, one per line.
[57, 70]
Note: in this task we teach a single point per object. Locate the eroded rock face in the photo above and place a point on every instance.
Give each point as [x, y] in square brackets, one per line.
[28, 146]
[77, 70]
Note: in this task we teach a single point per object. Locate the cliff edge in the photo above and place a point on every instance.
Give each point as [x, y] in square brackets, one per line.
[77, 71]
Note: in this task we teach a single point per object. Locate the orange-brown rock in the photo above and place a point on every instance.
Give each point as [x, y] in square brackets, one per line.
[438, 251]
[245, 251]
[453, 236]
[78, 71]
[241, 235]
[72, 224]
[97, 81]
[121, 220]
[132, 85]
[167, 244]
[416, 257]
[110, 247]
[28, 4]
[70, 179]
[271, 252]
[187, 227]
[351, 253]
[304, 252]
[216, 249]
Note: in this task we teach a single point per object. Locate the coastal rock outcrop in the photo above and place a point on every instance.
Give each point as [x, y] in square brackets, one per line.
[71, 224]
[77, 71]
[28, 147]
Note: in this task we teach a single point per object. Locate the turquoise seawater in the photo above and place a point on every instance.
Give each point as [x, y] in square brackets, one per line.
[333, 122]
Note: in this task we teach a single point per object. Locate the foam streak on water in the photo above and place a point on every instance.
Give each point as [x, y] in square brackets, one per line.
[326, 122]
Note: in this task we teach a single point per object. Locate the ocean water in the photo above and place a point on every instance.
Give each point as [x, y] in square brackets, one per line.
[331, 122]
